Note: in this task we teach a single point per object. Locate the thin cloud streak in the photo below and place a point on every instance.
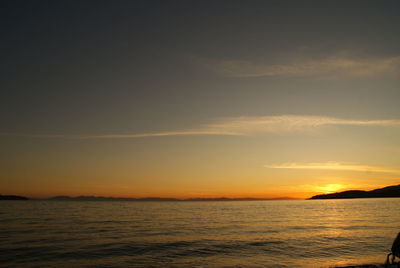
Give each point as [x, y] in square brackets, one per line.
[333, 166]
[288, 123]
[241, 126]
[336, 65]
[123, 136]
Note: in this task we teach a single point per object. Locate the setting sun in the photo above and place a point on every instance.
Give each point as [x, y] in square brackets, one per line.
[329, 188]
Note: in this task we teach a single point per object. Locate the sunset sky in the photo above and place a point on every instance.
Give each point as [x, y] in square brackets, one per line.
[199, 98]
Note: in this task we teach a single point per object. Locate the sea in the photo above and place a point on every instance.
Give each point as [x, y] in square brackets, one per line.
[291, 233]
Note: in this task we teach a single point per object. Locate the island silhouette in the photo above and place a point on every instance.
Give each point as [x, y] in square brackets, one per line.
[389, 191]
[13, 197]
[107, 198]
[103, 198]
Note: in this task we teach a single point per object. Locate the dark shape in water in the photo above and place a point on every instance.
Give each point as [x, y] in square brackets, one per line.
[395, 252]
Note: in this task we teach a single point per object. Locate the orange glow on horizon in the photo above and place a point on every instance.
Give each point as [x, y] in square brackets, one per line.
[302, 193]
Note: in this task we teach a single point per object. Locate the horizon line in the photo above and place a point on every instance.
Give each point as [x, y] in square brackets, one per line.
[159, 198]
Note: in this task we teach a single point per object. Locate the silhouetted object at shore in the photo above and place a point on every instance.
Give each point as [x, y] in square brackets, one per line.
[389, 191]
[13, 197]
[395, 252]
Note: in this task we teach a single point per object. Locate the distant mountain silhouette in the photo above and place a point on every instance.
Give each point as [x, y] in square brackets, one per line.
[389, 191]
[236, 199]
[13, 197]
[102, 198]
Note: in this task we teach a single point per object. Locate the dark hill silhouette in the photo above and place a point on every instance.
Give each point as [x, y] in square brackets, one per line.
[389, 191]
[13, 197]
[103, 198]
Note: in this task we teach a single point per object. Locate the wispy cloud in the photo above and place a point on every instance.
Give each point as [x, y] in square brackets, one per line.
[253, 125]
[333, 166]
[242, 126]
[122, 136]
[333, 65]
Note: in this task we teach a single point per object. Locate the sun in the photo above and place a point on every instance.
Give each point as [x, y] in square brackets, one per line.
[330, 188]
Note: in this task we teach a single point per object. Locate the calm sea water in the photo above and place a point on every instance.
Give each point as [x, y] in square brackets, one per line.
[306, 233]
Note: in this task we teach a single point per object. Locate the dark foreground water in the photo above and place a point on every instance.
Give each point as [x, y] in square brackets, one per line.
[306, 233]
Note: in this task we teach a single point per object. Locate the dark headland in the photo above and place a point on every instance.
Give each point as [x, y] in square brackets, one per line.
[389, 191]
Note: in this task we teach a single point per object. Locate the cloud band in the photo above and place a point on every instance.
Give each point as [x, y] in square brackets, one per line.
[241, 126]
[345, 66]
[333, 166]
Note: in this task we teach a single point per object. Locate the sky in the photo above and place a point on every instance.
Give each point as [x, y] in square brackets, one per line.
[183, 99]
